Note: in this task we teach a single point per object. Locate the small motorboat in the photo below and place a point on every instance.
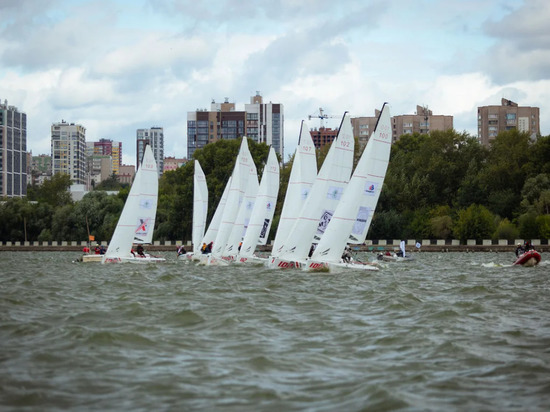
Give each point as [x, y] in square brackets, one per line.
[529, 258]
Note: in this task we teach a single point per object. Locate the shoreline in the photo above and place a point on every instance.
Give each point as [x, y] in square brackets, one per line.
[358, 248]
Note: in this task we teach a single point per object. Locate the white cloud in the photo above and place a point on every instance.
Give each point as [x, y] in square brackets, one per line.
[115, 66]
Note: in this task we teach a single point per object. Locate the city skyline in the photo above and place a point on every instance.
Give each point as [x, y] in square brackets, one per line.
[140, 64]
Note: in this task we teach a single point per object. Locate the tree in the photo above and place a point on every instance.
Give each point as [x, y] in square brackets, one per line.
[475, 222]
[55, 191]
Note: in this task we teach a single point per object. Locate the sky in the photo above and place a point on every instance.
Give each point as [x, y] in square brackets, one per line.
[115, 66]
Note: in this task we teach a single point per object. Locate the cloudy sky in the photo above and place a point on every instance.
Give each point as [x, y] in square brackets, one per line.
[118, 65]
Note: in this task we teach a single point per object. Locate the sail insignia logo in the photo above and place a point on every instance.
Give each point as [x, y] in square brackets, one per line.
[370, 188]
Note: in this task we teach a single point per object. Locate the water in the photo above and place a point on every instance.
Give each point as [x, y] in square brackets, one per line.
[449, 331]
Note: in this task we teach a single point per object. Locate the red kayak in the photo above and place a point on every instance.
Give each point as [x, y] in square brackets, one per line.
[529, 258]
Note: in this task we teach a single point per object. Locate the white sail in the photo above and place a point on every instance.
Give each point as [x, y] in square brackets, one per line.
[264, 207]
[302, 175]
[212, 231]
[137, 221]
[234, 198]
[243, 216]
[325, 194]
[200, 207]
[354, 212]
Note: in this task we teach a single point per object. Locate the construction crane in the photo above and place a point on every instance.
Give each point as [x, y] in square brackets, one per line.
[322, 116]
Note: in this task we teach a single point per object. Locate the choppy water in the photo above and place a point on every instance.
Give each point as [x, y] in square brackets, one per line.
[451, 331]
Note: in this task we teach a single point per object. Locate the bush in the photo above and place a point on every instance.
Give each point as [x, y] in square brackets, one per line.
[506, 230]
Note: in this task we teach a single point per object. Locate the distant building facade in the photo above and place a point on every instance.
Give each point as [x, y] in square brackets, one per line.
[423, 122]
[126, 174]
[491, 120]
[41, 168]
[261, 122]
[100, 168]
[323, 136]
[154, 137]
[363, 127]
[264, 123]
[173, 163]
[13, 151]
[107, 147]
[68, 147]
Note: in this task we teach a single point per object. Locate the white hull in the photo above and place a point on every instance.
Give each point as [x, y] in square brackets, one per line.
[132, 259]
[211, 260]
[252, 260]
[91, 258]
[339, 266]
[278, 263]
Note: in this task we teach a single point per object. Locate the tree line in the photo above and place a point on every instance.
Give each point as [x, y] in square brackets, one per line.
[440, 185]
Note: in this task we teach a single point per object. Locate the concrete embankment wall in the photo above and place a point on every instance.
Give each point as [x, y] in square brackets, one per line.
[426, 245]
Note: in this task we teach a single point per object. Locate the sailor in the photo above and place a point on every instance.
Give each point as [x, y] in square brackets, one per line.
[519, 250]
[528, 246]
[139, 250]
[209, 248]
[346, 256]
[181, 250]
[203, 248]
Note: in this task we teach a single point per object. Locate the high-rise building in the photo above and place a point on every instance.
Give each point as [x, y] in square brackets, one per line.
[261, 122]
[13, 151]
[154, 137]
[107, 147]
[491, 120]
[69, 150]
[264, 123]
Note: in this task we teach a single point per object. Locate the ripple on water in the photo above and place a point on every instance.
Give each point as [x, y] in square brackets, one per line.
[445, 332]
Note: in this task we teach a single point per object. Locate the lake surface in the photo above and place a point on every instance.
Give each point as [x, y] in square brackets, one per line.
[449, 331]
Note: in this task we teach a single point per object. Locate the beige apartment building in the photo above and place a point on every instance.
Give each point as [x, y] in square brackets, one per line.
[491, 120]
[423, 121]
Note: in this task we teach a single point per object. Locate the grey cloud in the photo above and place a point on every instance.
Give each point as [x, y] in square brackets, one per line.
[523, 48]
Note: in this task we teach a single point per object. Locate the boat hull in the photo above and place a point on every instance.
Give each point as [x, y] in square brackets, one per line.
[528, 259]
[91, 258]
[277, 263]
[313, 266]
[132, 259]
[252, 260]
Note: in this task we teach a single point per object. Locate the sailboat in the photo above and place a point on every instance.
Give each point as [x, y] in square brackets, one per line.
[200, 210]
[401, 256]
[262, 212]
[240, 226]
[236, 189]
[353, 214]
[302, 175]
[321, 202]
[137, 221]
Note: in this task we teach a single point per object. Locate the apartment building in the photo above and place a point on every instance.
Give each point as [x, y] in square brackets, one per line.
[154, 137]
[491, 120]
[68, 149]
[108, 147]
[13, 151]
[261, 122]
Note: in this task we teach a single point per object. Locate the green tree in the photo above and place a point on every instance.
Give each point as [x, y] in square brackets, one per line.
[55, 191]
[506, 230]
[475, 222]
